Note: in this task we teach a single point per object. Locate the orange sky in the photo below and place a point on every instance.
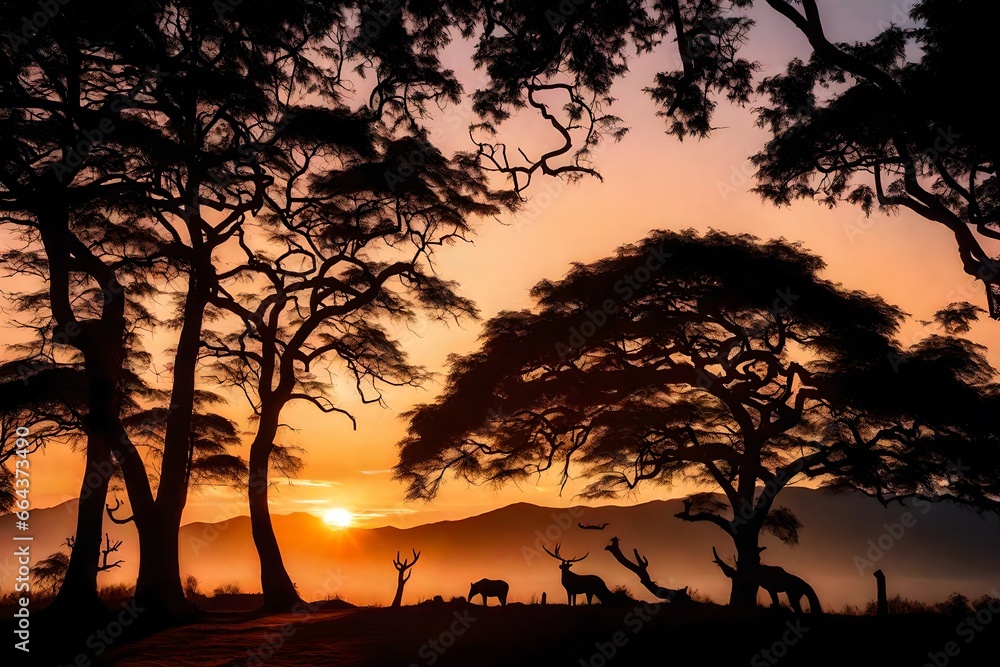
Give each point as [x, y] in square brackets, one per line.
[650, 181]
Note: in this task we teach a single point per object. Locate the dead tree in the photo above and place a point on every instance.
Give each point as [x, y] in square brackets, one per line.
[106, 551]
[402, 567]
[641, 569]
[882, 606]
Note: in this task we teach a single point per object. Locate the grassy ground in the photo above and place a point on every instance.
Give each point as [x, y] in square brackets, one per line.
[443, 634]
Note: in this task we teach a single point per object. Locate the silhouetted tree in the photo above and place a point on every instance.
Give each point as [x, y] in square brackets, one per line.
[42, 399]
[716, 358]
[904, 125]
[403, 567]
[49, 573]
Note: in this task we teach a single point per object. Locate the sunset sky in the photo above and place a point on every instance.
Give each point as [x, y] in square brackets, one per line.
[650, 181]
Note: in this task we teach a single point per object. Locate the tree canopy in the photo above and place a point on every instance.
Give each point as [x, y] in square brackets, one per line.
[715, 359]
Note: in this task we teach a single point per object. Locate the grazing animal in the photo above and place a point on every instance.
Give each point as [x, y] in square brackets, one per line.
[774, 580]
[581, 584]
[593, 526]
[490, 588]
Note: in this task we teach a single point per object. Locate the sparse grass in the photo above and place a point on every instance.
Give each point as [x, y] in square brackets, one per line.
[699, 597]
[116, 592]
[955, 605]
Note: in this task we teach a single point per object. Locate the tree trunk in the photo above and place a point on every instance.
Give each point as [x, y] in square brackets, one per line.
[398, 599]
[159, 582]
[279, 591]
[78, 599]
[744, 590]
[158, 589]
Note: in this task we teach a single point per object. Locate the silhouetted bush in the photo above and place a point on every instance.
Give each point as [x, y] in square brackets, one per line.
[191, 587]
[228, 589]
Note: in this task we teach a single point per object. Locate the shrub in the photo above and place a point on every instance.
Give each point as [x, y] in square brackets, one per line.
[191, 587]
[227, 589]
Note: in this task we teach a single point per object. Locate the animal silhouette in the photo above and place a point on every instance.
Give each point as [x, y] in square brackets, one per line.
[774, 580]
[593, 526]
[581, 584]
[490, 588]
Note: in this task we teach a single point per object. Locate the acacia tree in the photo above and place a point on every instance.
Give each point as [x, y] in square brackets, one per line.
[716, 359]
[897, 122]
[346, 256]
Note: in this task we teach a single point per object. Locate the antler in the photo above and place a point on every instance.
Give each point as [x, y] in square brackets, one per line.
[559, 557]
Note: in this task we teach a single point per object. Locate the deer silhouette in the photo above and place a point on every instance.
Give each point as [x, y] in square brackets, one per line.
[774, 580]
[576, 584]
[490, 588]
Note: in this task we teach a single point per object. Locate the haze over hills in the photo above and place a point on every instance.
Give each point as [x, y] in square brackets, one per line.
[845, 537]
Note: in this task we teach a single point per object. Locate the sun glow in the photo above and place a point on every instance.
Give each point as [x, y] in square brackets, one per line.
[338, 518]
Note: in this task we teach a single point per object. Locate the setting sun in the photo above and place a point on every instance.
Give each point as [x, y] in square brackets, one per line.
[338, 518]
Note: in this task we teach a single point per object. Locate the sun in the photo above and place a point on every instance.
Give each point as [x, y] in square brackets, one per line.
[338, 518]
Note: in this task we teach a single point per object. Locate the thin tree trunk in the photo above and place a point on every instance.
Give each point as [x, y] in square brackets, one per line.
[279, 591]
[78, 597]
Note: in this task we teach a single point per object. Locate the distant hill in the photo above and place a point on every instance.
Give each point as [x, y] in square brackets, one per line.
[945, 549]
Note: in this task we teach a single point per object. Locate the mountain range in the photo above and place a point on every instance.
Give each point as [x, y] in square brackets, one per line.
[926, 551]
